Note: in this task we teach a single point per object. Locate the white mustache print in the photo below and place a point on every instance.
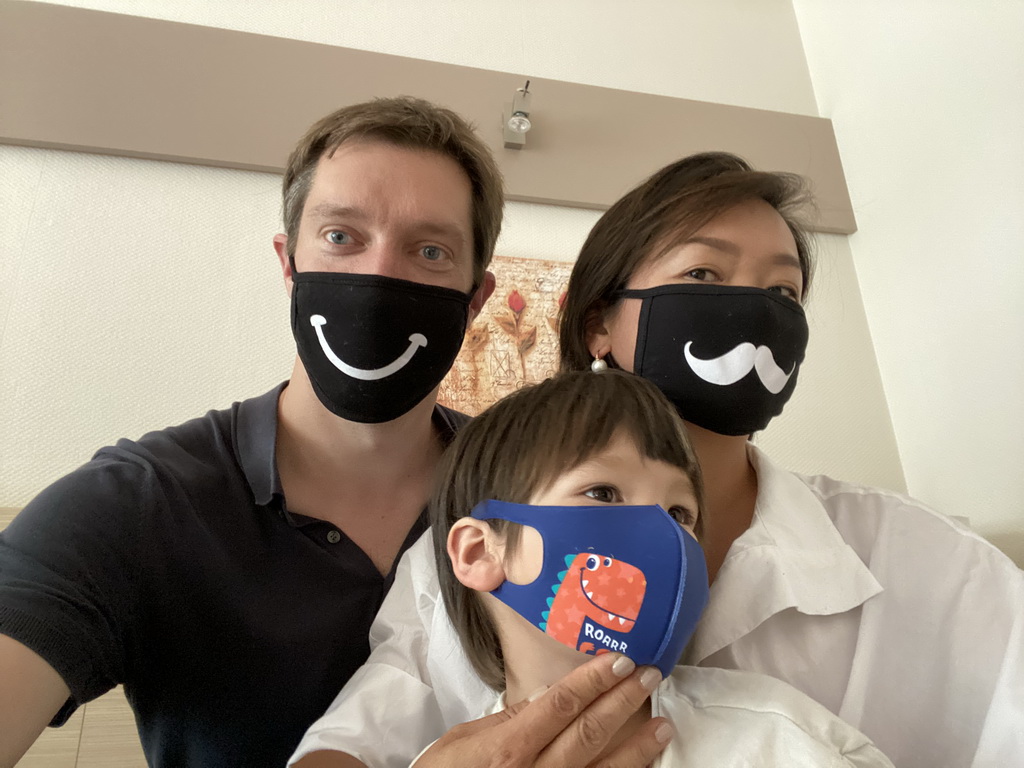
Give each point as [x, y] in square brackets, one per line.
[416, 341]
[738, 362]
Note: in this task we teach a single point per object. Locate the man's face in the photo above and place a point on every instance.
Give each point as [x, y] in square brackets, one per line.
[374, 208]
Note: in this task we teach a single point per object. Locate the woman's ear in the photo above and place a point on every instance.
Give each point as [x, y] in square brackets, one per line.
[599, 339]
[476, 555]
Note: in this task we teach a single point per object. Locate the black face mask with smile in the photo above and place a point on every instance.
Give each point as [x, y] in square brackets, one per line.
[727, 357]
[372, 346]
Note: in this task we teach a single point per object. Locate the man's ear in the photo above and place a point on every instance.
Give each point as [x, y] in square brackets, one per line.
[482, 294]
[281, 246]
[473, 548]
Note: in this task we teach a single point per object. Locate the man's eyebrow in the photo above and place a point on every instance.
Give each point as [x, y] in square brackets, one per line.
[441, 229]
[782, 259]
[330, 211]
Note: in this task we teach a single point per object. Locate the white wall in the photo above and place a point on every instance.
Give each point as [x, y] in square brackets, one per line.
[927, 100]
[137, 293]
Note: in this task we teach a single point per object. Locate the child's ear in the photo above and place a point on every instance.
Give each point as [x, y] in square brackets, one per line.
[474, 550]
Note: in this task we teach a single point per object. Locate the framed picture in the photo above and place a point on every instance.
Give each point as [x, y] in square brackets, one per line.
[514, 340]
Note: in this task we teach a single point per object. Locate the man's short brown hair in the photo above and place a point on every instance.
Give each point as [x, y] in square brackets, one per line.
[523, 443]
[412, 124]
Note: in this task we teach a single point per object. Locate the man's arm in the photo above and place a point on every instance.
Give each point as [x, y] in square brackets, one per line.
[31, 694]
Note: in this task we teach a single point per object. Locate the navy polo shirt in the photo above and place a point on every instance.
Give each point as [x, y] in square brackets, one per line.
[172, 565]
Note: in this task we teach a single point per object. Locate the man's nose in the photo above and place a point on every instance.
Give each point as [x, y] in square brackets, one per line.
[388, 260]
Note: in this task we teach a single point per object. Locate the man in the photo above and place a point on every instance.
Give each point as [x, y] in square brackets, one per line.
[226, 571]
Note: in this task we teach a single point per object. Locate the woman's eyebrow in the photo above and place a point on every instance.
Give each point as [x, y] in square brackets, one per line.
[715, 242]
[787, 260]
[730, 248]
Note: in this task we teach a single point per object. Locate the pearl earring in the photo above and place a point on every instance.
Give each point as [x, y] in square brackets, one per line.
[598, 365]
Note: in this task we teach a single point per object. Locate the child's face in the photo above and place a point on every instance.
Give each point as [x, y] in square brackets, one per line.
[617, 475]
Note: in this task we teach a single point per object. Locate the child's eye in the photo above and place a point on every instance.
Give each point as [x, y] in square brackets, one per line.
[684, 516]
[606, 494]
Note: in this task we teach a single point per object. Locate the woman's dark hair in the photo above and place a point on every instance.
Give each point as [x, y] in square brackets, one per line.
[663, 211]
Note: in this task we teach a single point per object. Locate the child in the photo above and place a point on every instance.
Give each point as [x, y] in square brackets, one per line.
[565, 523]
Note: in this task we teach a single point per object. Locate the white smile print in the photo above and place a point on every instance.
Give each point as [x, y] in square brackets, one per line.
[416, 341]
[738, 362]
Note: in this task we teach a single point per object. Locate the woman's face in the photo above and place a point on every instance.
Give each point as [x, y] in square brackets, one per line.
[749, 245]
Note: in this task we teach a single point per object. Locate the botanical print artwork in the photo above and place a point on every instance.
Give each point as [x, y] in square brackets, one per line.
[514, 340]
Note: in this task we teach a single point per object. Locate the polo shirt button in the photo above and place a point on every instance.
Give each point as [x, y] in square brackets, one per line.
[334, 537]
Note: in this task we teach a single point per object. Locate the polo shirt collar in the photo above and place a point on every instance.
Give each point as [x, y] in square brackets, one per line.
[791, 556]
[255, 426]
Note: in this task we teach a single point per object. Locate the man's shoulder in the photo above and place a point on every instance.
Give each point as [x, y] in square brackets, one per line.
[451, 419]
[163, 465]
[204, 443]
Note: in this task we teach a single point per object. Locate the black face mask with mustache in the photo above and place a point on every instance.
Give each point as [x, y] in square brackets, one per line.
[726, 357]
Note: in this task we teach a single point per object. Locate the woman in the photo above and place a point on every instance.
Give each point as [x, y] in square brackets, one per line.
[902, 622]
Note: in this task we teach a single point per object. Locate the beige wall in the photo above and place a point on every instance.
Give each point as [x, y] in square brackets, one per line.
[927, 102]
[141, 293]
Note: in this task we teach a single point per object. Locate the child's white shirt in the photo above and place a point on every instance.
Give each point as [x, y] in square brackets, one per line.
[733, 719]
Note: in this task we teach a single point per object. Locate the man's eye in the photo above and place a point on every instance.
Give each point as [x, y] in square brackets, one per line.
[338, 237]
[606, 494]
[432, 252]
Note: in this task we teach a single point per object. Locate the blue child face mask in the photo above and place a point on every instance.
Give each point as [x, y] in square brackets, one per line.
[627, 579]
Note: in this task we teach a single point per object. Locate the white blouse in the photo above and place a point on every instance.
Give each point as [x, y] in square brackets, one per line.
[901, 621]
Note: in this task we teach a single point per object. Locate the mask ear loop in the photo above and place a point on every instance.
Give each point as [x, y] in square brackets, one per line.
[508, 511]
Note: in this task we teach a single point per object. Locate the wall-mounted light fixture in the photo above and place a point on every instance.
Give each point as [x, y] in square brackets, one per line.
[516, 118]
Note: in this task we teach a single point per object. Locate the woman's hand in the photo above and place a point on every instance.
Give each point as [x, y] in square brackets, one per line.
[567, 727]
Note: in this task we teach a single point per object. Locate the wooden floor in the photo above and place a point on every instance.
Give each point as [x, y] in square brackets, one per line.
[101, 734]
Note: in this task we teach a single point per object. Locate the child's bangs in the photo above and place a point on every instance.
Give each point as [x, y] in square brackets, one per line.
[582, 413]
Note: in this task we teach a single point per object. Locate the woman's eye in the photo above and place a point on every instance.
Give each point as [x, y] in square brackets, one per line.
[787, 291]
[338, 237]
[606, 494]
[702, 275]
[432, 252]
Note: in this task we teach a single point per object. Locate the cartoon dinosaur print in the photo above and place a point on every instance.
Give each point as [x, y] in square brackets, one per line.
[605, 591]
